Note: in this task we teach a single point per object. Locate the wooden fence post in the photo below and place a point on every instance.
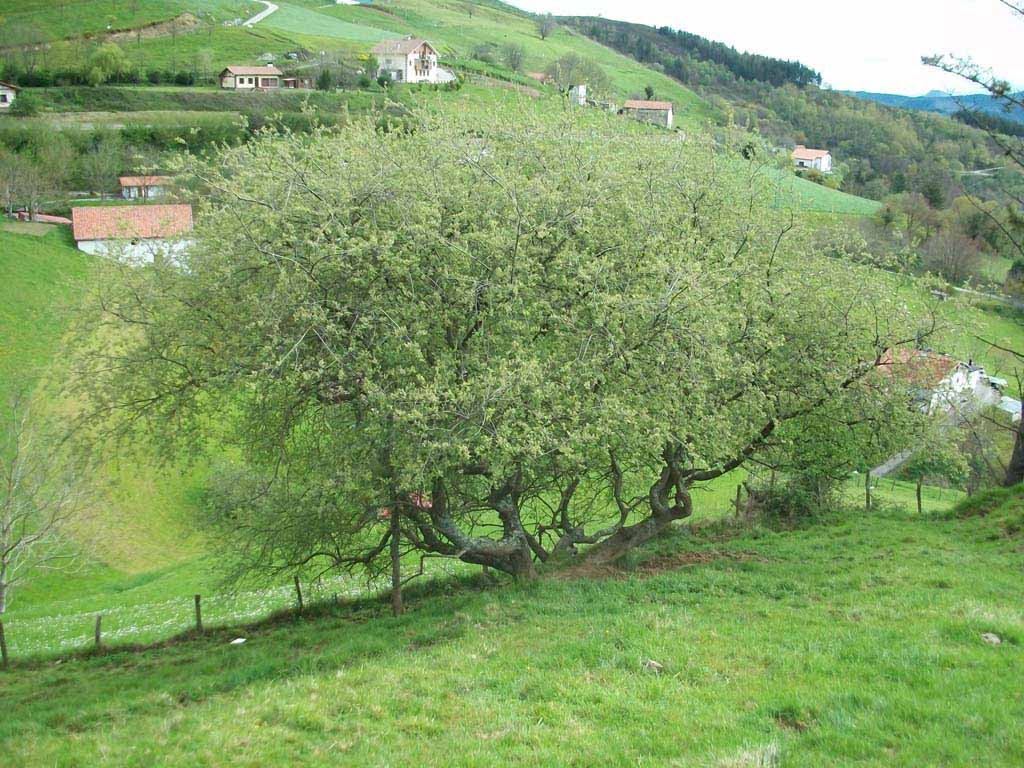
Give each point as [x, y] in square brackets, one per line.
[739, 491]
[3, 645]
[298, 592]
[396, 565]
[199, 614]
[867, 491]
[99, 631]
[920, 482]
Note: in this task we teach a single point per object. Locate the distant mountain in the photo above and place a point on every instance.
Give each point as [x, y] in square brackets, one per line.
[941, 103]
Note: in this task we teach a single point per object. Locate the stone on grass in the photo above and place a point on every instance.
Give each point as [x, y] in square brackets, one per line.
[991, 638]
[238, 641]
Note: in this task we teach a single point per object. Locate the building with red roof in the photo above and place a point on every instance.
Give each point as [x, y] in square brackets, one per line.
[139, 233]
[816, 159]
[654, 112]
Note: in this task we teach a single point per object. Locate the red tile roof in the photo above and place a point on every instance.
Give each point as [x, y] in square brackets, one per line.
[125, 222]
[803, 153]
[144, 181]
[403, 45]
[918, 367]
[663, 106]
[266, 71]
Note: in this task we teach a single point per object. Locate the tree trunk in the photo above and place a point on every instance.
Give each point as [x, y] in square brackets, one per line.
[3, 646]
[1015, 471]
[396, 565]
[626, 539]
[867, 491]
[920, 481]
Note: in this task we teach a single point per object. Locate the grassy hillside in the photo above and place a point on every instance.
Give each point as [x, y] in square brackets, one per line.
[41, 276]
[455, 26]
[856, 640]
[25, 20]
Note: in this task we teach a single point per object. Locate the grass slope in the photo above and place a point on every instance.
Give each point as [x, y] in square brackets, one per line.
[40, 277]
[856, 640]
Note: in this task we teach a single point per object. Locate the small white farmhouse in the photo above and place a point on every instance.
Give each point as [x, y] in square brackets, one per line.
[817, 159]
[250, 78]
[655, 112]
[143, 187]
[943, 384]
[409, 60]
[136, 233]
[8, 93]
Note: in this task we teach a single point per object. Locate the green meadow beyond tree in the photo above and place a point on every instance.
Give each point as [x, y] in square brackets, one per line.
[532, 353]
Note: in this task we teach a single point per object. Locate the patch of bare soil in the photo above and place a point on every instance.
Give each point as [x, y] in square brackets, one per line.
[654, 566]
[183, 23]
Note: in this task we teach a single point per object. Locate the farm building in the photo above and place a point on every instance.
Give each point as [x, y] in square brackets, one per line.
[137, 233]
[300, 83]
[654, 112]
[250, 78]
[8, 93]
[143, 187]
[817, 159]
[943, 384]
[410, 60]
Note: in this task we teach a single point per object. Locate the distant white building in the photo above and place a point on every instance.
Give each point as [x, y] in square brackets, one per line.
[655, 112]
[8, 93]
[250, 78]
[136, 233]
[578, 95]
[409, 60]
[816, 159]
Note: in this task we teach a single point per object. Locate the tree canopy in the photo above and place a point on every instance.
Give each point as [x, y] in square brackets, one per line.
[523, 337]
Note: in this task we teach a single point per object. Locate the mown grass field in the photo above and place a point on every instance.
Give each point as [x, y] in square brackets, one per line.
[852, 640]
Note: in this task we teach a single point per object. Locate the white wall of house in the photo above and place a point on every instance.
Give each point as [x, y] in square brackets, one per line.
[662, 117]
[419, 66]
[142, 193]
[138, 251]
[823, 164]
[7, 96]
[249, 82]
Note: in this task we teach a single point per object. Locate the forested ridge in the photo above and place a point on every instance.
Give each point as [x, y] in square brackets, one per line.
[879, 150]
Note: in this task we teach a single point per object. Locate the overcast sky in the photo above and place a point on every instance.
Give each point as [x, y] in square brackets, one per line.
[870, 45]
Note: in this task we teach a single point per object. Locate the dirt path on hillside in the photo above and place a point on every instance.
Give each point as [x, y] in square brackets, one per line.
[183, 23]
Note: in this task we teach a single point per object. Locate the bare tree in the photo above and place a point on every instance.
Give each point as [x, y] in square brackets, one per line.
[513, 55]
[41, 500]
[545, 25]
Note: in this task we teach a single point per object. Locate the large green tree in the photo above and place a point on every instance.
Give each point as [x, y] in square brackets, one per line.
[502, 337]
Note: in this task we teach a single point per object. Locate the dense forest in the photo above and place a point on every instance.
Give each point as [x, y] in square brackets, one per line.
[879, 150]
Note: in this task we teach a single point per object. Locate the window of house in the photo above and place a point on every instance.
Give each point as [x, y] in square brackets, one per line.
[3, 98]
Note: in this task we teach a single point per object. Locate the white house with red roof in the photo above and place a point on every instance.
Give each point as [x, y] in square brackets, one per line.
[655, 112]
[409, 60]
[816, 159]
[251, 78]
[135, 233]
[943, 384]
